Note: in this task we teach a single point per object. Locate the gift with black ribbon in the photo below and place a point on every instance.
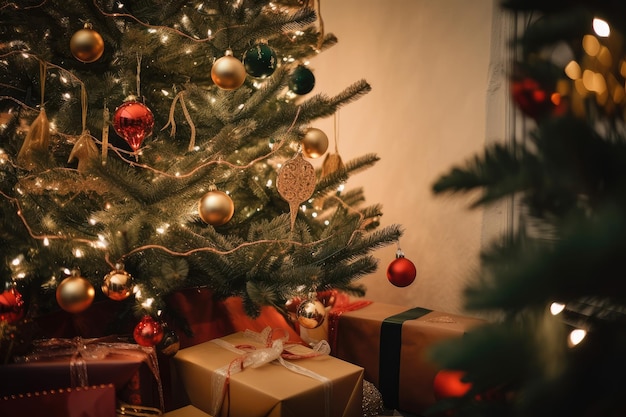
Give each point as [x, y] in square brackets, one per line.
[391, 343]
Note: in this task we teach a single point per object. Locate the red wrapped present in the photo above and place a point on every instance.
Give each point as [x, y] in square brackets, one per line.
[60, 363]
[207, 318]
[391, 343]
[92, 401]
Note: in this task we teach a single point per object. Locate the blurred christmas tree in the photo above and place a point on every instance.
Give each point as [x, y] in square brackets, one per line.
[149, 146]
[555, 287]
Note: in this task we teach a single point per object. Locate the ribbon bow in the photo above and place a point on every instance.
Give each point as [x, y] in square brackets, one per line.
[275, 351]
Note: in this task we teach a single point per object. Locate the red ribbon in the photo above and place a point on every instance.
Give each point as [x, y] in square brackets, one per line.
[341, 306]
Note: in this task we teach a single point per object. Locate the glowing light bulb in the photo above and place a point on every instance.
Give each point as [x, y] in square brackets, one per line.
[46, 241]
[556, 308]
[147, 303]
[576, 336]
[601, 27]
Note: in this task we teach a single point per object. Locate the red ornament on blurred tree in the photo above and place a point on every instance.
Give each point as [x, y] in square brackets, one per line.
[534, 99]
[449, 384]
[11, 305]
[148, 332]
[133, 121]
[401, 272]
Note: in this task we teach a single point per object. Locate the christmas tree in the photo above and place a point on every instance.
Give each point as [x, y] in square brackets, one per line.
[554, 287]
[150, 146]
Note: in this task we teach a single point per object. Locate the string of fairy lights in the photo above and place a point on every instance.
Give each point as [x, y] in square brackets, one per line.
[56, 73]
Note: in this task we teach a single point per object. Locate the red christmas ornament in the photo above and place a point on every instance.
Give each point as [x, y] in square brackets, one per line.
[11, 305]
[449, 383]
[534, 100]
[401, 272]
[133, 121]
[148, 332]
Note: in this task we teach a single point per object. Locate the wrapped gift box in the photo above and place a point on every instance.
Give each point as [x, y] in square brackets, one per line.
[391, 343]
[92, 401]
[186, 411]
[269, 390]
[57, 364]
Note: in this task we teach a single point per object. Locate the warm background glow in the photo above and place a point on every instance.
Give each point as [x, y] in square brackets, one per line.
[429, 66]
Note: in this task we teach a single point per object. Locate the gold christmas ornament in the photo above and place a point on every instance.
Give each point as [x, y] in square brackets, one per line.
[216, 208]
[85, 150]
[228, 73]
[75, 294]
[32, 152]
[87, 45]
[311, 314]
[118, 284]
[314, 143]
[295, 183]
[332, 163]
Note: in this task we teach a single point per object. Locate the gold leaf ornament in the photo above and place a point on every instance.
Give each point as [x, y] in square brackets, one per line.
[85, 150]
[36, 143]
[296, 182]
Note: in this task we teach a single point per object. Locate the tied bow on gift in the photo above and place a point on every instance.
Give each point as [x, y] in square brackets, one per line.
[276, 351]
[81, 350]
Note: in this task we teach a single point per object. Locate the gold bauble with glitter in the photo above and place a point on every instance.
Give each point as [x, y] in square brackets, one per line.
[314, 143]
[228, 73]
[75, 294]
[87, 45]
[216, 208]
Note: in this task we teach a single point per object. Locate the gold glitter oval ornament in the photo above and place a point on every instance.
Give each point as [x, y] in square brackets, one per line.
[295, 183]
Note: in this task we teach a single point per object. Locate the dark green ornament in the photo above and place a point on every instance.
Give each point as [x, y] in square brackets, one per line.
[302, 80]
[260, 61]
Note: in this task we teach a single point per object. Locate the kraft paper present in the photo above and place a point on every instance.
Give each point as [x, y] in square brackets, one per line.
[270, 390]
[398, 364]
[186, 411]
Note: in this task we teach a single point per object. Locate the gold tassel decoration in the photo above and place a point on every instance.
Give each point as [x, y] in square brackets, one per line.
[332, 163]
[85, 150]
[31, 155]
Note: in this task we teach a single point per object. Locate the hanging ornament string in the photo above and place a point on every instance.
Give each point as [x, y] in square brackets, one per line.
[333, 162]
[139, 58]
[320, 40]
[43, 68]
[105, 132]
[171, 121]
[83, 106]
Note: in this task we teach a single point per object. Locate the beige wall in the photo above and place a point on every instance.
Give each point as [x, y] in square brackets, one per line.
[428, 62]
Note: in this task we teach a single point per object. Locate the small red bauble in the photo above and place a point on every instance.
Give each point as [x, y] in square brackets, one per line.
[534, 100]
[401, 272]
[449, 384]
[133, 121]
[11, 305]
[148, 332]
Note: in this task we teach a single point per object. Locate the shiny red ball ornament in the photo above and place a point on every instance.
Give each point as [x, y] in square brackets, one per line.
[401, 272]
[11, 305]
[148, 332]
[133, 121]
[450, 384]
